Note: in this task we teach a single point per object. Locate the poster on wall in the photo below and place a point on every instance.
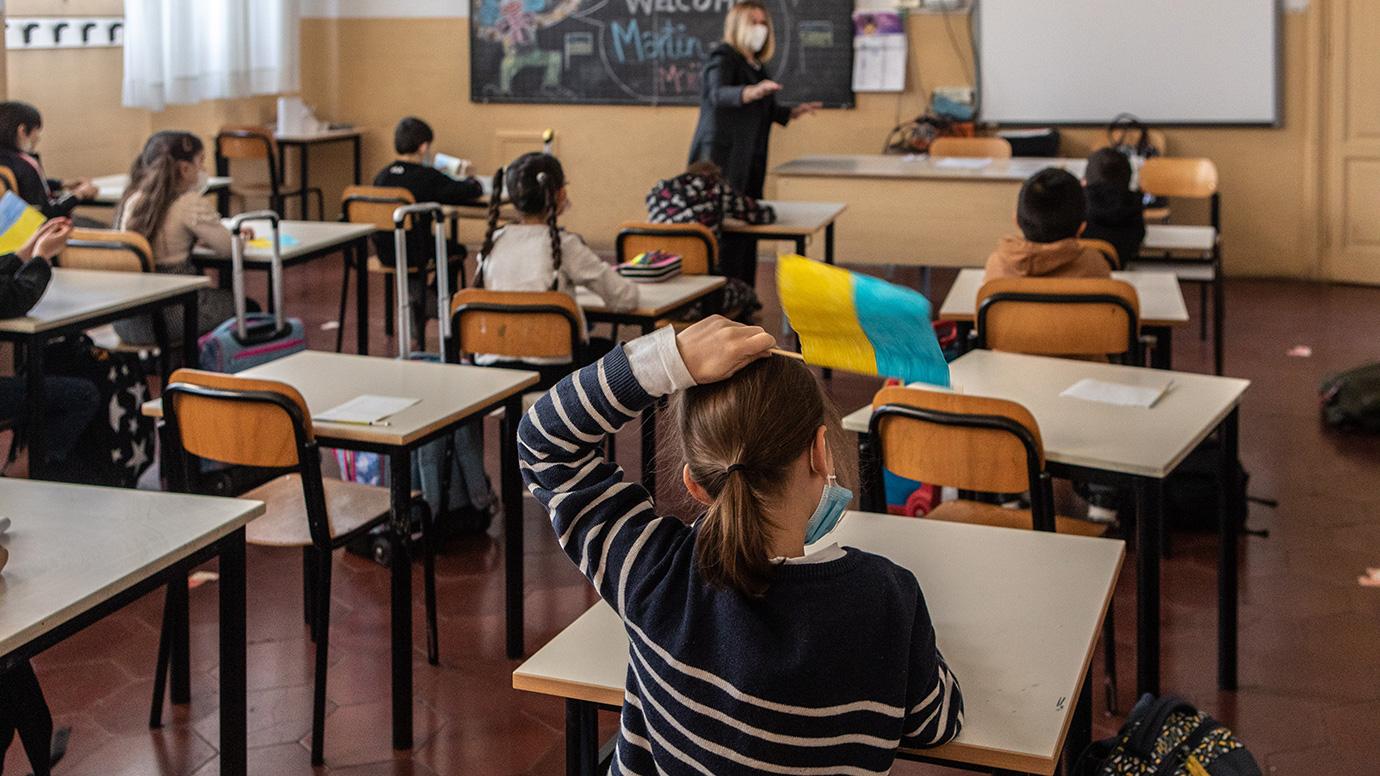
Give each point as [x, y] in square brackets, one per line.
[646, 52]
[879, 52]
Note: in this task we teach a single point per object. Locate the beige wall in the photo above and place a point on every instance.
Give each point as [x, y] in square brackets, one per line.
[372, 71]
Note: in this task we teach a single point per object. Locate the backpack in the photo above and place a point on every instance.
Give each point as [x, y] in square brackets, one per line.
[1350, 400]
[119, 444]
[1168, 737]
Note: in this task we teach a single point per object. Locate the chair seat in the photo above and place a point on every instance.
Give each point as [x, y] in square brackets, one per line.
[978, 513]
[379, 268]
[106, 338]
[349, 507]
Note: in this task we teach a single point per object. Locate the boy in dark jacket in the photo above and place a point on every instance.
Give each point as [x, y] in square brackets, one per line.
[1116, 212]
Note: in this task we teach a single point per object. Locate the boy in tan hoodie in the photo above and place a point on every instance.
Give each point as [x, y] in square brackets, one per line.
[1051, 213]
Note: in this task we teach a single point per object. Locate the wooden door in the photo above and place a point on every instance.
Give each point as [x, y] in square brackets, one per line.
[1351, 141]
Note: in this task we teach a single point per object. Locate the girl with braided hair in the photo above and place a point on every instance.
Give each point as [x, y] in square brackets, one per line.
[535, 254]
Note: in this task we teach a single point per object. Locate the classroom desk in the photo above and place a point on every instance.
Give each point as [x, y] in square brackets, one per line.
[1194, 254]
[450, 396]
[112, 189]
[315, 239]
[79, 553]
[1017, 615]
[77, 300]
[1161, 306]
[1124, 447]
[797, 222]
[303, 141]
[656, 302]
[913, 209]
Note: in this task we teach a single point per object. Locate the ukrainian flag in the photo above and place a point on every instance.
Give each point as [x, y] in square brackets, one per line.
[18, 222]
[859, 323]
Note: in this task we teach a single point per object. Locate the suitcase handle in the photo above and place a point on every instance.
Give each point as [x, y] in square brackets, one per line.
[237, 273]
[404, 299]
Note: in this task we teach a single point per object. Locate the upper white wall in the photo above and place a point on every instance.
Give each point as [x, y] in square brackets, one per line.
[383, 9]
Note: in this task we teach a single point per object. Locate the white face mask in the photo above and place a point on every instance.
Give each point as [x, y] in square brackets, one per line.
[757, 37]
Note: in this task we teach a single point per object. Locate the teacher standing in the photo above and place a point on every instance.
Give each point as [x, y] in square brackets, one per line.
[737, 107]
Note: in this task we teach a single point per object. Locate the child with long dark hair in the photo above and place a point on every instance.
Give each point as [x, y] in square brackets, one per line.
[21, 128]
[535, 254]
[166, 203]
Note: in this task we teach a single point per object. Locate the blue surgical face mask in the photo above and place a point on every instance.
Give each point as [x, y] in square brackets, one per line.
[832, 502]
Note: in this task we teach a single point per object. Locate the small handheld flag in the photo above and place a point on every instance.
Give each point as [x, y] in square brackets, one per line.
[859, 323]
[18, 222]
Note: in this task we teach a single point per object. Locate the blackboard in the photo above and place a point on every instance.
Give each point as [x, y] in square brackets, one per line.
[646, 52]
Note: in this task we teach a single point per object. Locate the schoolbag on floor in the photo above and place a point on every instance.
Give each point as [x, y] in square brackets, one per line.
[1351, 399]
[1168, 737]
[119, 444]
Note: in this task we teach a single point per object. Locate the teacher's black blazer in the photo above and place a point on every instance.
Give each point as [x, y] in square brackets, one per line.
[731, 134]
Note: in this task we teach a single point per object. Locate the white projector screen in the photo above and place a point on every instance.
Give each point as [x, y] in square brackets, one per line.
[1166, 61]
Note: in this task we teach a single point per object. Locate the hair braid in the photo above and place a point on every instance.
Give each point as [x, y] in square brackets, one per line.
[495, 204]
[549, 191]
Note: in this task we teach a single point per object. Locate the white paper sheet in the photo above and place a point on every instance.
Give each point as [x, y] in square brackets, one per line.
[962, 163]
[1119, 394]
[879, 63]
[366, 410]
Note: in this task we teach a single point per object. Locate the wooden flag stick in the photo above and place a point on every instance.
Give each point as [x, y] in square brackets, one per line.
[787, 354]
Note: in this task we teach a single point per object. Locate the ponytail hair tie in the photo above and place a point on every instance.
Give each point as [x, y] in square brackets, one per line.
[737, 467]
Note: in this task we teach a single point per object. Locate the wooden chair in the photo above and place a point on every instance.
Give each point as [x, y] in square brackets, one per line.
[263, 423]
[516, 326]
[975, 444]
[976, 147]
[1070, 317]
[373, 205]
[1191, 178]
[110, 250]
[1105, 248]
[8, 179]
[256, 144]
[694, 243]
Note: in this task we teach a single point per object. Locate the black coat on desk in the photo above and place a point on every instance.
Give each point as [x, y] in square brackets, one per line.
[731, 134]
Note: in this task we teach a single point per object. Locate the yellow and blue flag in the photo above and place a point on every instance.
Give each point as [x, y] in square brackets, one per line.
[859, 323]
[18, 222]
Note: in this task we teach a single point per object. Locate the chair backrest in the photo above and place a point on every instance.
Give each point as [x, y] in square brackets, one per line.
[244, 143]
[7, 177]
[966, 442]
[248, 422]
[374, 205]
[1059, 317]
[980, 147]
[1184, 177]
[694, 243]
[1103, 247]
[107, 249]
[515, 324]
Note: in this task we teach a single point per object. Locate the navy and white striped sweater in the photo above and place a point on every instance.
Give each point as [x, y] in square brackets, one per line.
[827, 674]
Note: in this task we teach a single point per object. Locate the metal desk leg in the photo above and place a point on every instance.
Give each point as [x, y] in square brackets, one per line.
[800, 246]
[1231, 511]
[829, 243]
[358, 167]
[400, 487]
[1080, 728]
[36, 399]
[870, 500]
[191, 359]
[581, 738]
[511, 486]
[303, 153]
[1149, 498]
[1163, 355]
[234, 722]
[1219, 297]
[361, 257]
[180, 647]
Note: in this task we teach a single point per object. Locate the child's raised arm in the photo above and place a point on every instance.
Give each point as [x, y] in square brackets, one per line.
[605, 524]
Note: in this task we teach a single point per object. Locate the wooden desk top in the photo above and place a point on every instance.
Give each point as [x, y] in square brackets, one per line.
[1161, 298]
[75, 295]
[923, 167]
[1017, 614]
[324, 136]
[312, 236]
[1128, 440]
[73, 547]
[448, 392]
[793, 219]
[1177, 237]
[112, 187]
[658, 299]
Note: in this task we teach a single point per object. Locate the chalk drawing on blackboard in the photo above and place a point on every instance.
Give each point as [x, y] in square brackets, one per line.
[515, 24]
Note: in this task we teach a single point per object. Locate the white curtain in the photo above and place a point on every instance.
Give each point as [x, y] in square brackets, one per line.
[179, 52]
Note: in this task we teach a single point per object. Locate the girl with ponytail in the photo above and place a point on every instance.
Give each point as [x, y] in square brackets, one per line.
[165, 203]
[756, 644]
[535, 254]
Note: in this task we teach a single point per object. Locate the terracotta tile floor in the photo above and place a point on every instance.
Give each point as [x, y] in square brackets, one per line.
[1310, 692]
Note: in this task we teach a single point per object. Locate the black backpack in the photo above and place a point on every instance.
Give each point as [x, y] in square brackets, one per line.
[1168, 737]
[119, 444]
[1351, 400]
